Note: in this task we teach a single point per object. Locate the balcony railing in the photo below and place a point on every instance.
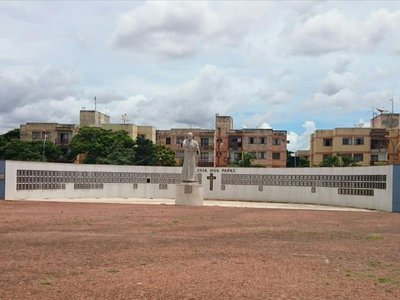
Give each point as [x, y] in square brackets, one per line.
[206, 146]
[63, 142]
[235, 145]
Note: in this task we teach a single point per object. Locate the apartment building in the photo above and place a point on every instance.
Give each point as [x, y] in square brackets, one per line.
[221, 146]
[367, 146]
[59, 134]
[391, 123]
[93, 118]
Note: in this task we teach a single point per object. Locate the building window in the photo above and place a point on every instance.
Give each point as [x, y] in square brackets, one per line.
[276, 155]
[168, 141]
[359, 141]
[179, 140]
[263, 140]
[63, 139]
[204, 156]
[261, 155]
[237, 155]
[204, 142]
[276, 142]
[235, 142]
[327, 142]
[179, 154]
[358, 157]
[325, 156]
[347, 141]
[374, 157]
[251, 140]
[143, 136]
[36, 135]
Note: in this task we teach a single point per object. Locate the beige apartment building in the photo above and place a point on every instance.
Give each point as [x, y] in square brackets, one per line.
[367, 146]
[62, 134]
[97, 119]
[221, 146]
[391, 123]
[59, 134]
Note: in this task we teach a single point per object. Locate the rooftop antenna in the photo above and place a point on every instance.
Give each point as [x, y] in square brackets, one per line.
[391, 116]
[95, 103]
[124, 118]
[381, 110]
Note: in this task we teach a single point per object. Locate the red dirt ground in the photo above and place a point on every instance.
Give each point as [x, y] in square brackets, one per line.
[117, 251]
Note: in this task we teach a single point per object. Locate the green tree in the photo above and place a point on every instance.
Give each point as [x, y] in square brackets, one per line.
[30, 151]
[6, 138]
[303, 162]
[296, 161]
[164, 156]
[145, 152]
[245, 161]
[11, 135]
[338, 160]
[100, 146]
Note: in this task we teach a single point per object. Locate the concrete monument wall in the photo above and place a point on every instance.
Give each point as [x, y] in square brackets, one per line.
[363, 187]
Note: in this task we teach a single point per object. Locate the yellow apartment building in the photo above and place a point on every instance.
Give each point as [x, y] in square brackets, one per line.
[367, 146]
[97, 119]
[59, 134]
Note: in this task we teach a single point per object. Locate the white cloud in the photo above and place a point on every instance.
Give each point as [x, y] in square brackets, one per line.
[343, 100]
[195, 102]
[325, 32]
[335, 82]
[182, 28]
[301, 141]
[265, 125]
[332, 31]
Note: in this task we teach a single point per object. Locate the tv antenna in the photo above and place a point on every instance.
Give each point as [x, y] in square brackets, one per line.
[95, 103]
[381, 110]
[124, 118]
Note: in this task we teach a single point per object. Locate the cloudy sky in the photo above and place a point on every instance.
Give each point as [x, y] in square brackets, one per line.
[293, 65]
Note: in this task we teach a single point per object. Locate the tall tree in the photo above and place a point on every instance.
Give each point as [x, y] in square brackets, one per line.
[100, 146]
[145, 153]
[30, 151]
[164, 156]
[338, 160]
[245, 161]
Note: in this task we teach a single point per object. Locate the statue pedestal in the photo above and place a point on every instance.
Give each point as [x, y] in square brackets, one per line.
[189, 193]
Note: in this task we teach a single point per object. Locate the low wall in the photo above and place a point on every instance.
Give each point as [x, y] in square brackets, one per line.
[362, 187]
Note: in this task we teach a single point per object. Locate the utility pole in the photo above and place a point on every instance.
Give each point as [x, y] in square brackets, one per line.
[44, 145]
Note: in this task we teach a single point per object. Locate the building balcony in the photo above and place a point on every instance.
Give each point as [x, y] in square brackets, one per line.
[62, 142]
[235, 145]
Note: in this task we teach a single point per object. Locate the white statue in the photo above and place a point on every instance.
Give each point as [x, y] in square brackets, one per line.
[191, 148]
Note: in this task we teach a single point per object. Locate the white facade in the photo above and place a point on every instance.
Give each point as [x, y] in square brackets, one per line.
[361, 187]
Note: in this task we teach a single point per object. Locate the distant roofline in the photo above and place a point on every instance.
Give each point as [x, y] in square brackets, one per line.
[49, 123]
[386, 114]
[91, 110]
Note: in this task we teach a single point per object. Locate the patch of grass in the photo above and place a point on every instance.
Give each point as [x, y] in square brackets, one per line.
[113, 270]
[82, 221]
[374, 263]
[358, 275]
[45, 281]
[387, 281]
[374, 237]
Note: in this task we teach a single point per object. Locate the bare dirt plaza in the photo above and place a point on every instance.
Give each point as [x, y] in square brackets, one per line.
[59, 250]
